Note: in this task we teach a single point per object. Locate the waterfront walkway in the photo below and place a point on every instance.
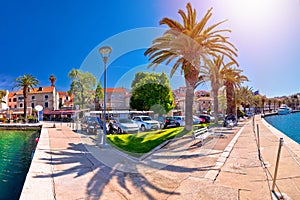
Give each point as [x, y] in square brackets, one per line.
[69, 165]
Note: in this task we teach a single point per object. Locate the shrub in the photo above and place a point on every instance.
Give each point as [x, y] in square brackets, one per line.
[31, 119]
[240, 113]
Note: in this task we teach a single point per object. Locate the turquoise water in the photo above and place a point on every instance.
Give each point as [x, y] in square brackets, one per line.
[287, 124]
[15, 157]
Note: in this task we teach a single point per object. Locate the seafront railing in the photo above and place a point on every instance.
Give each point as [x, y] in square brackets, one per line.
[283, 162]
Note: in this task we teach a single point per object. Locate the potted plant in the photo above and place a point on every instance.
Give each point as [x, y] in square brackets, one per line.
[21, 119]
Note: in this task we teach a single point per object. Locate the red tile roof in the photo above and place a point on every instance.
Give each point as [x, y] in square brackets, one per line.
[35, 90]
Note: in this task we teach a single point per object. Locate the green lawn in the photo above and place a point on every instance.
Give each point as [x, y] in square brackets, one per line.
[137, 144]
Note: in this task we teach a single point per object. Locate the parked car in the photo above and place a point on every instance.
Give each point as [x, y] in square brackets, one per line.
[161, 121]
[91, 124]
[207, 118]
[125, 125]
[230, 121]
[167, 122]
[180, 120]
[197, 120]
[146, 123]
[249, 114]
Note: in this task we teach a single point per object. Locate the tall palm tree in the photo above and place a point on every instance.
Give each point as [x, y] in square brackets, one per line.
[25, 82]
[245, 94]
[52, 79]
[213, 73]
[232, 80]
[186, 46]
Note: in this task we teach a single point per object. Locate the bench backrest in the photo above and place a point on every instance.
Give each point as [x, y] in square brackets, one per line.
[199, 132]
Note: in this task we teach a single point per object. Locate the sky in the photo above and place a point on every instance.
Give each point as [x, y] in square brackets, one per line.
[53, 37]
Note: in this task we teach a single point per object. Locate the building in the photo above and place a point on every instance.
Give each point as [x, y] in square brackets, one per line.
[65, 100]
[202, 101]
[203, 104]
[4, 105]
[117, 99]
[47, 97]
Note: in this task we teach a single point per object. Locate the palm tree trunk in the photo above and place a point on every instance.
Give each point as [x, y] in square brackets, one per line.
[216, 104]
[189, 100]
[25, 104]
[229, 93]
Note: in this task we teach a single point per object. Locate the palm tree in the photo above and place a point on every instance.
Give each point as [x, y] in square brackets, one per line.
[52, 79]
[269, 103]
[245, 94]
[212, 72]
[232, 81]
[264, 99]
[186, 46]
[25, 82]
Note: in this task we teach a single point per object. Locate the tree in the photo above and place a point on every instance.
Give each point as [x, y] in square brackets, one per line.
[151, 91]
[25, 82]
[245, 94]
[232, 81]
[186, 46]
[52, 79]
[98, 95]
[81, 85]
[213, 72]
[2, 94]
[269, 103]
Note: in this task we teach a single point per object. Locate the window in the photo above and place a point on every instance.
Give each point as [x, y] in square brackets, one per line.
[9, 100]
[67, 98]
[21, 105]
[46, 96]
[14, 99]
[32, 105]
[46, 105]
[20, 98]
[33, 97]
[15, 106]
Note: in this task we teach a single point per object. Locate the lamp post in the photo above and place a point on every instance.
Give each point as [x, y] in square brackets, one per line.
[104, 52]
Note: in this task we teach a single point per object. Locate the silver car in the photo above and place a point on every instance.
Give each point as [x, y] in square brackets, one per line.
[146, 123]
[180, 120]
[125, 125]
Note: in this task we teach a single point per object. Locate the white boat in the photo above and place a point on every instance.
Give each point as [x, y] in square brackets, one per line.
[283, 110]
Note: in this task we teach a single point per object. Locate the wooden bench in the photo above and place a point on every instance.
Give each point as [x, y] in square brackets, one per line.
[200, 134]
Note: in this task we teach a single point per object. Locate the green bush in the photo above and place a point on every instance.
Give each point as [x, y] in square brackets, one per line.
[240, 113]
[31, 119]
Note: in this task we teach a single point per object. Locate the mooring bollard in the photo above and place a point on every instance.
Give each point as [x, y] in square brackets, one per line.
[277, 163]
[258, 142]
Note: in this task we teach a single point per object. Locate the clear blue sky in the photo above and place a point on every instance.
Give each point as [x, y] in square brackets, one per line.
[52, 37]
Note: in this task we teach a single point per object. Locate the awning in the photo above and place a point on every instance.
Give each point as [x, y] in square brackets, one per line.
[59, 112]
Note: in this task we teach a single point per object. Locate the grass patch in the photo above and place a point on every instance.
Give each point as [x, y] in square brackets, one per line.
[137, 144]
[141, 143]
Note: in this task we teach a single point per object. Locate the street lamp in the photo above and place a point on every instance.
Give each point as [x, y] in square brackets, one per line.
[104, 52]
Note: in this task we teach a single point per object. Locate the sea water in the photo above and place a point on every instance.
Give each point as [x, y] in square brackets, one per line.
[16, 149]
[288, 124]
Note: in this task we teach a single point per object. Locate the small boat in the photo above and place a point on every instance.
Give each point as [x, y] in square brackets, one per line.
[283, 110]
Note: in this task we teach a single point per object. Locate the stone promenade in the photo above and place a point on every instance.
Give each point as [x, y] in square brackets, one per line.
[69, 165]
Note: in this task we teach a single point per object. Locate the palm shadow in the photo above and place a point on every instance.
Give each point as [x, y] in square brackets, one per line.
[78, 160]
